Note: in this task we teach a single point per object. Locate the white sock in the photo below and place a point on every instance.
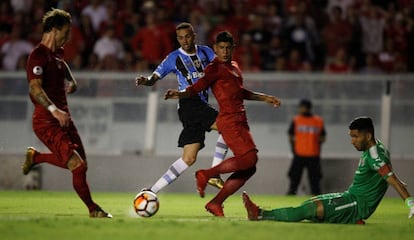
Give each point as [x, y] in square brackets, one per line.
[220, 151]
[173, 172]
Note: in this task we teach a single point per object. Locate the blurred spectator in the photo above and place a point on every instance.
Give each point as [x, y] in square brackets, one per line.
[273, 20]
[90, 38]
[151, 43]
[5, 30]
[246, 55]
[201, 26]
[239, 19]
[300, 23]
[355, 44]
[390, 59]
[371, 65]
[24, 6]
[372, 23]
[109, 50]
[97, 11]
[337, 33]
[75, 47]
[270, 56]
[342, 4]
[296, 63]
[14, 48]
[6, 13]
[340, 64]
[259, 34]
[302, 34]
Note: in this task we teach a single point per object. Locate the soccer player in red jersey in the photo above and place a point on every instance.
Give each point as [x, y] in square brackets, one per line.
[224, 78]
[52, 123]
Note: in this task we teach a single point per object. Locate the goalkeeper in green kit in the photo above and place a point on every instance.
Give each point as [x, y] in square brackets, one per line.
[359, 202]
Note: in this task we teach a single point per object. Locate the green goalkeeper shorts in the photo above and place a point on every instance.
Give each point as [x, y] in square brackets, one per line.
[338, 208]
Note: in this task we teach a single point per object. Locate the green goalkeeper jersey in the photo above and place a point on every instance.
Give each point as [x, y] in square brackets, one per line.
[369, 184]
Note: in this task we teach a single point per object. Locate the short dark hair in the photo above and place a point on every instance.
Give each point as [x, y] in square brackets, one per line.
[224, 36]
[184, 25]
[306, 103]
[362, 123]
[55, 18]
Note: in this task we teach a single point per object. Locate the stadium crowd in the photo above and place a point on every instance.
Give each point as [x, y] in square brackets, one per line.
[339, 36]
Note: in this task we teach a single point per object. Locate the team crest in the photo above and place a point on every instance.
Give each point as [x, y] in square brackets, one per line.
[197, 63]
[37, 70]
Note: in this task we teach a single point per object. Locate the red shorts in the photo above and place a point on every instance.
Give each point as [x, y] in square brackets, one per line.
[236, 133]
[60, 141]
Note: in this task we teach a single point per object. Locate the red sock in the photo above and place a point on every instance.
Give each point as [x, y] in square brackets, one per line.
[234, 164]
[81, 186]
[48, 158]
[233, 183]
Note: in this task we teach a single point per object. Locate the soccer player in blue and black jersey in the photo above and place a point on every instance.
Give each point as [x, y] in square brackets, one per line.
[362, 198]
[197, 116]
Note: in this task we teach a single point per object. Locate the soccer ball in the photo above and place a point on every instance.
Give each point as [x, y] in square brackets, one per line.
[146, 203]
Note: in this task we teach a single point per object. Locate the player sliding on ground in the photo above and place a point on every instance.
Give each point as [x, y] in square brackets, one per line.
[359, 202]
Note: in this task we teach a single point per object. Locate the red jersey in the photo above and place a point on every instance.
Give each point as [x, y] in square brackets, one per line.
[226, 82]
[48, 66]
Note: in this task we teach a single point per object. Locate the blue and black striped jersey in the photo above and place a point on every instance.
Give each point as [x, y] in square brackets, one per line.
[187, 67]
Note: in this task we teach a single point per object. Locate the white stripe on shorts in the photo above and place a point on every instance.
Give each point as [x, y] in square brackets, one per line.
[346, 206]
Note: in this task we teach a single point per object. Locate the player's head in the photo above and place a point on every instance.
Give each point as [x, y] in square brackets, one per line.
[305, 106]
[56, 18]
[361, 131]
[224, 46]
[186, 37]
[58, 22]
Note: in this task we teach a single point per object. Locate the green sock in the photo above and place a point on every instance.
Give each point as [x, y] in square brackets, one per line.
[292, 214]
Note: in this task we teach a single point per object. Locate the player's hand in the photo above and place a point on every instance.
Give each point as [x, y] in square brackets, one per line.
[171, 94]
[62, 117]
[274, 101]
[141, 80]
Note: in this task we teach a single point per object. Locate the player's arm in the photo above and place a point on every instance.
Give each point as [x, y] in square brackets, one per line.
[146, 81]
[72, 84]
[256, 96]
[400, 187]
[201, 85]
[40, 96]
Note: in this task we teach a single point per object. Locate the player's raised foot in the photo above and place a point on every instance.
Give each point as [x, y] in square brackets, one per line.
[215, 209]
[201, 180]
[253, 211]
[28, 163]
[216, 182]
[99, 213]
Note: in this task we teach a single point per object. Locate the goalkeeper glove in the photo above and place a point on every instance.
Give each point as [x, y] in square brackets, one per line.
[410, 204]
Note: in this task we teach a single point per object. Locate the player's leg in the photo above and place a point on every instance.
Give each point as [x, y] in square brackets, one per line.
[295, 175]
[310, 210]
[34, 157]
[189, 156]
[231, 185]
[219, 155]
[78, 168]
[314, 175]
[68, 149]
[234, 164]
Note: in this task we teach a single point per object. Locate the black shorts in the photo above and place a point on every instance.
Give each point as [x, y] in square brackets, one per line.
[197, 118]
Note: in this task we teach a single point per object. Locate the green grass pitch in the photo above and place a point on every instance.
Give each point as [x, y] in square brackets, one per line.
[61, 215]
